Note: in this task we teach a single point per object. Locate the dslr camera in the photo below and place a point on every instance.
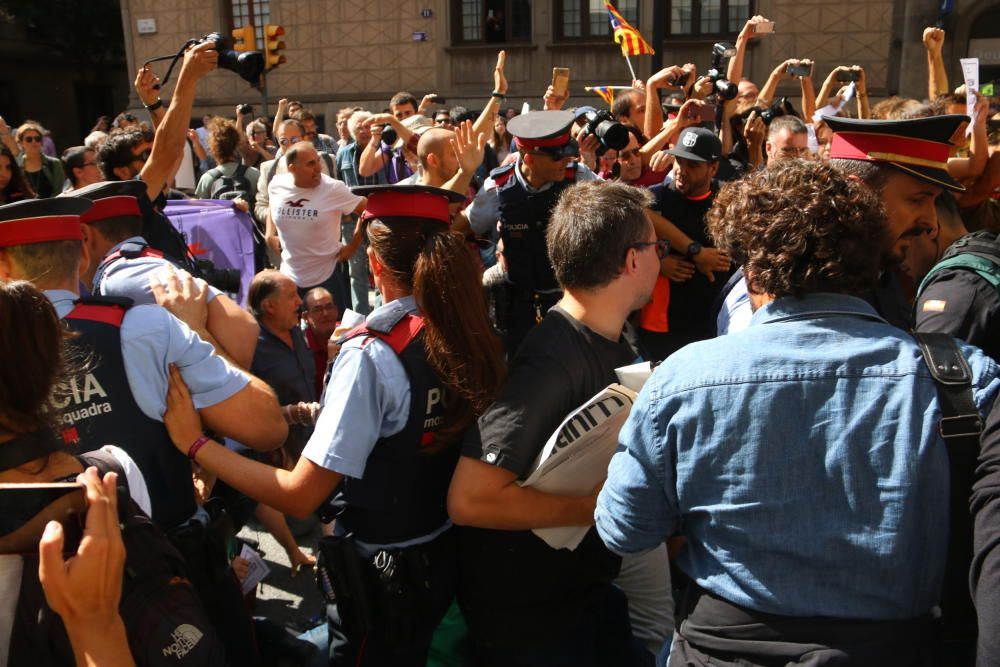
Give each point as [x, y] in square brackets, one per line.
[227, 280]
[249, 65]
[721, 86]
[608, 131]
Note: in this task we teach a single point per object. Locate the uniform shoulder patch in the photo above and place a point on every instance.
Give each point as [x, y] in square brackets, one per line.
[934, 306]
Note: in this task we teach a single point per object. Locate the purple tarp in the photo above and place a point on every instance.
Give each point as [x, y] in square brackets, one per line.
[216, 231]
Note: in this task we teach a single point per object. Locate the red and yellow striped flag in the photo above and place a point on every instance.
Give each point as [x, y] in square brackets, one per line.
[606, 94]
[626, 36]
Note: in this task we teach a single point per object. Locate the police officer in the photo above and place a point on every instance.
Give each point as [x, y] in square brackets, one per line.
[521, 195]
[959, 296]
[906, 162]
[403, 389]
[121, 397]
[122, 263]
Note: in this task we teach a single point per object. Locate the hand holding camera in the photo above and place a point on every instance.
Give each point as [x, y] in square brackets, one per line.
[755, 27]
[200, 59]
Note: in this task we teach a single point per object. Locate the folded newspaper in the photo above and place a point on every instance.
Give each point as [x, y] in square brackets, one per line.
[575, 458]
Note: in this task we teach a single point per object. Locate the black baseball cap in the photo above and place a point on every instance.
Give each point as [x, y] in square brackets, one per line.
[697, 144]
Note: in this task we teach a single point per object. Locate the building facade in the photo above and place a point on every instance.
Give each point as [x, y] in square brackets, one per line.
[360, 52]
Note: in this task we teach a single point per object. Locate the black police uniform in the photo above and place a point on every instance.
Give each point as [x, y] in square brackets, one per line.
[524, 218]
[401, 497]
[112, 415]
[960, 295]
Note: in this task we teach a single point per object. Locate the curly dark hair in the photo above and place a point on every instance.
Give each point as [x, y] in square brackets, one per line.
[223, 139]
[800, 227]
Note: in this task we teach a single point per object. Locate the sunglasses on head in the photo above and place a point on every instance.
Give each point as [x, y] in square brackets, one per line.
[32, 139]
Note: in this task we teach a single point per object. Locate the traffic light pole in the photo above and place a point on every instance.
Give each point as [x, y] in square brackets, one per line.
[263, 93]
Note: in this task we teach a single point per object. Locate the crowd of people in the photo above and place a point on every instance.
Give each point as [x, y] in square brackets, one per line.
[810, 475]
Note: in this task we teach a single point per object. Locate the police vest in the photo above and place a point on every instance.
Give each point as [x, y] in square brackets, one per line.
[100, 410]
[403, 493]
[129, 250]
[524, 217]
[978, 252]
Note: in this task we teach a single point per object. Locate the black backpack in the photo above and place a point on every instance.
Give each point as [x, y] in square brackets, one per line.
[978, 252]
[236, 186]
[163, 616]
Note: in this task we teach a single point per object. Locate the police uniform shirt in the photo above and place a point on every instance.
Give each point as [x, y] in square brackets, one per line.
[152, 339]
[961, 303]
[366, 398]
[129, 277]
[484, 211]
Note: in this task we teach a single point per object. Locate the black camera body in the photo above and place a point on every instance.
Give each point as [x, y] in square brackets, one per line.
[721, 86]
[249, 64]
[782, 107]
[389, 135]
[608, 131]
[227, 280]
[245, 110]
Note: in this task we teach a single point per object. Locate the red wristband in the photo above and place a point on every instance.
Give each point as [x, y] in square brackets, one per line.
[198, 444]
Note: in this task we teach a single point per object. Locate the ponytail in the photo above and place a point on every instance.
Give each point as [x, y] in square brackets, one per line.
[462, 347]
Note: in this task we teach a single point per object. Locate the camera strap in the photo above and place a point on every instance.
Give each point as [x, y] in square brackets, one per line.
[28, 447]
[174, 58]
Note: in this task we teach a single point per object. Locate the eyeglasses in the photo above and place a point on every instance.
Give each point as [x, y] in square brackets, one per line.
[662, 246]
[628, 155]
[31, 139]
[288, 141]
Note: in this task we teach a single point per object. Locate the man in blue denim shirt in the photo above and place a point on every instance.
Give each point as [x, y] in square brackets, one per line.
[800, 458]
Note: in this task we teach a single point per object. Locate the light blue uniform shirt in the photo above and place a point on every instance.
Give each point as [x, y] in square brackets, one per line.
[801, 459]
[484, 211]
[367, 397]
[152, 339]
[130, 277]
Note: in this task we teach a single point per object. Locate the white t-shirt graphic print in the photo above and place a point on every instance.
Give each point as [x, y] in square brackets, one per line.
[308, 223]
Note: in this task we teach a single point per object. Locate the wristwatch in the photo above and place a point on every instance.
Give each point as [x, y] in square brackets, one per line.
[693, 249]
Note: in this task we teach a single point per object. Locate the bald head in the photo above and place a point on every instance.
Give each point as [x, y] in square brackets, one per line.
[437, 157]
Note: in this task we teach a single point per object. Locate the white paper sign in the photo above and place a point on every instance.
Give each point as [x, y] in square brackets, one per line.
[970, 72]
[258, 569]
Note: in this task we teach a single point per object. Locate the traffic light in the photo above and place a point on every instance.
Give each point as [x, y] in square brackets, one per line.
[273, 45]
[244, 39]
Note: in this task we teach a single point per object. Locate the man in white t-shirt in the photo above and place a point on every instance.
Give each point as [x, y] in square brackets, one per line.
[304, 222]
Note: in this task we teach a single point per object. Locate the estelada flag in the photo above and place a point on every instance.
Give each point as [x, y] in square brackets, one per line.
[626, 36]
[606, 94]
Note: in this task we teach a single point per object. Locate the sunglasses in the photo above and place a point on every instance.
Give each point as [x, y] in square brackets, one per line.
[142, 157]
[288, 141]
[32, 139]
[662, 246]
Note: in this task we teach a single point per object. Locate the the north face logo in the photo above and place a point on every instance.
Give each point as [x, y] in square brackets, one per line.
[185, 637]
[689, 140]
[296, 203]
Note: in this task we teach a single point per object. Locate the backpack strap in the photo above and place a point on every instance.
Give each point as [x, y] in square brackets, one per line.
[960, 427]
[985, 268]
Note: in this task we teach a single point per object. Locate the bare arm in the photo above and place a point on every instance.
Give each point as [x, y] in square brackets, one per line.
[145, 81]
[234, 329]
[685, 117]
[279, 116]
[271, 235]
[484, 124]
[937, 76]
[488, 496]
[973, 166]
[7, 138]
[168, 144]
[372, 159]
[861, 93]
[984, 186]
[251, 417]
[735, 70]
[808, 93]
[826, 90]
[665, 78]
[770, 88]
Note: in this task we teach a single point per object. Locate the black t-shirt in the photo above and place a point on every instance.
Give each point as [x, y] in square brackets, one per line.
[961, 303]
[690, 311]
[515, 589]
